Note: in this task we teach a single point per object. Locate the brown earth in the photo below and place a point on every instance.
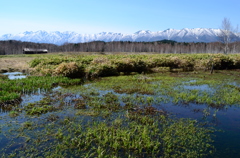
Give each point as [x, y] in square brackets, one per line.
[8, 64]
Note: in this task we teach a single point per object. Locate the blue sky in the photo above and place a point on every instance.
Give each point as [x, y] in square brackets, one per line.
[120, 16]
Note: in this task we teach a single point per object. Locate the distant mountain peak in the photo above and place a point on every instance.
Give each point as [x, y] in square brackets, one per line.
[143, 32]
[56, 37]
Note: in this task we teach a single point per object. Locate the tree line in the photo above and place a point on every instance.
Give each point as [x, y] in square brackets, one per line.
[164, 46]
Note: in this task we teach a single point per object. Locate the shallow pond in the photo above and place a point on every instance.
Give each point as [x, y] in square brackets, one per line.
[112, 98]
[15, 75]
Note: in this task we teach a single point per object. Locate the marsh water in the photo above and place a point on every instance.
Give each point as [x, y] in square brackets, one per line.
[223, 117]
[15, 75]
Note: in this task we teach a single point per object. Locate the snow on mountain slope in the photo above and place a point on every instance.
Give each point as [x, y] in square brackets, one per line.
[56, 37]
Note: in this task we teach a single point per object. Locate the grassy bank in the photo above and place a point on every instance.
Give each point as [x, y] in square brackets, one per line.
[91, 66]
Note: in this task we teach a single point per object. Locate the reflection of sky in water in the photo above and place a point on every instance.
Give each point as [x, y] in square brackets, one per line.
[234, 84]
[14, 75]
[31, 98]
[203, 87]
[227, 119]
[200, 87]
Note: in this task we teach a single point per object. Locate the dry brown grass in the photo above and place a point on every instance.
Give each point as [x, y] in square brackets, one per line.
[71, 70]
[14, 63]
[100, 53]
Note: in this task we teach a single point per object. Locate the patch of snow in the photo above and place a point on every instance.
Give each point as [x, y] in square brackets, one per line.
[59, 38]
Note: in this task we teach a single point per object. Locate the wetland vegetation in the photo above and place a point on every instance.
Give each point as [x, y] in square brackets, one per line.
[120, 106]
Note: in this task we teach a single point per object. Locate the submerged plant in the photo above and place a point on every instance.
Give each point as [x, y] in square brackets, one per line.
[40, 107]
[120, 116]
[13, 113]
[11, 90]
[120, 137]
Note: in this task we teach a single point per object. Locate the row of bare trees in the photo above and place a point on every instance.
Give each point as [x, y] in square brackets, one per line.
[228, 43]
[228, 34]
[165, 46]
[16, 47]
[158, 47]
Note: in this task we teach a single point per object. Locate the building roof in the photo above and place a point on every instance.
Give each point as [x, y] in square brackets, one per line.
[34, 50]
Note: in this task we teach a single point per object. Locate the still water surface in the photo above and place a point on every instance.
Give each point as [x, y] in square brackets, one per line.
[227, 119]
[15, 75]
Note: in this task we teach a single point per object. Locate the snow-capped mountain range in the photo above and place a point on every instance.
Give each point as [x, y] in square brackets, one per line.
[59, 38]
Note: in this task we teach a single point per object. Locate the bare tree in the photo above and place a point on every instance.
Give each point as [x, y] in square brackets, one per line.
[227, 34]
